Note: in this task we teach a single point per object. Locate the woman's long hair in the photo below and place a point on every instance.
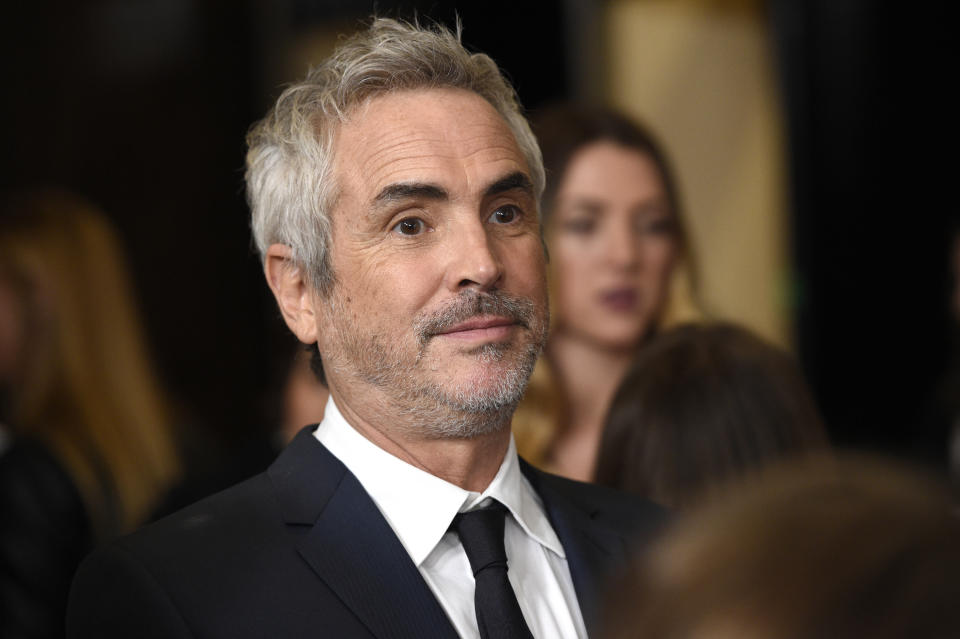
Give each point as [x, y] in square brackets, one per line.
[84, 386]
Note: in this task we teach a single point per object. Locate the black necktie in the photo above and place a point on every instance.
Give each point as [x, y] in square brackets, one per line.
[498, 613]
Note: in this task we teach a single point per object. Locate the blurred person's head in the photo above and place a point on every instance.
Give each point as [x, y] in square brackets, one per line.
[702, 404]
[613, 225]
[822, 547]
[72, 357]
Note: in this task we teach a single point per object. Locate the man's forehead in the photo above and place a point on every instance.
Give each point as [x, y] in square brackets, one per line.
[420, 136]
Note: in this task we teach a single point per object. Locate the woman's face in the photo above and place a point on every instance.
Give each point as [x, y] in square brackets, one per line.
[612, 239]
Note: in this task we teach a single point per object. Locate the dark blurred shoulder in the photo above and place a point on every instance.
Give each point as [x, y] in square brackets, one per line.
[29, 471]
[44, 533]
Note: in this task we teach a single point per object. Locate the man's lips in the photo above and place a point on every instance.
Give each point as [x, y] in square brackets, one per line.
[480, 328]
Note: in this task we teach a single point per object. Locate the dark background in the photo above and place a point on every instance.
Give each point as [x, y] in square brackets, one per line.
[142, 106]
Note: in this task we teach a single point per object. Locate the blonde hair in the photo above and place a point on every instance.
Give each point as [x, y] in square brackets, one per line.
[85, 387]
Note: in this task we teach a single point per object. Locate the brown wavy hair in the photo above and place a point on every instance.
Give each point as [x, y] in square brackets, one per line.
[701, 405]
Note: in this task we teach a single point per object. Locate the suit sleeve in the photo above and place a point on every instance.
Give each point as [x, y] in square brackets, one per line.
[114, 595]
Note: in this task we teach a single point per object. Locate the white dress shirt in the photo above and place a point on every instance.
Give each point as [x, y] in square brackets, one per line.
[420, 507]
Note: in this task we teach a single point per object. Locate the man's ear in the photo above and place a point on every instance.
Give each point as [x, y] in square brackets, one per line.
[292, 290]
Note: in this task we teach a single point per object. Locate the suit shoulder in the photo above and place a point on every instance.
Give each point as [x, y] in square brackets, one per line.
[115, 595]
[232, 517]
[608, 504]
[186, 562]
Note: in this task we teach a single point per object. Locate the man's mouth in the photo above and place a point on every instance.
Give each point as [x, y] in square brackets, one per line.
[477, 318]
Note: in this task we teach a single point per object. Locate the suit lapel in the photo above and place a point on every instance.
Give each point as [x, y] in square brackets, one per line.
[351, 547]
[592, 548]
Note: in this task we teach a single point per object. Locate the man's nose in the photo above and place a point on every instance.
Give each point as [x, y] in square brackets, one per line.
[474, 258]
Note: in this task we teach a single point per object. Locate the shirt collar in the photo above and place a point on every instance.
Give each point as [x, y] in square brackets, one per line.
[512, 489]
[419, 506]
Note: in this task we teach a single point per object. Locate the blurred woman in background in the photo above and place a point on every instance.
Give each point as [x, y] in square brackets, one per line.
[702, 405]
[88, 445]
[620, 269]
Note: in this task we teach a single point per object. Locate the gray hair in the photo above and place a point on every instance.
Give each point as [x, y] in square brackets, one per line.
[290, 186]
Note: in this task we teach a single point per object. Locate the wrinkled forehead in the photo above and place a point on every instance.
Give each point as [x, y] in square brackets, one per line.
[449, 136]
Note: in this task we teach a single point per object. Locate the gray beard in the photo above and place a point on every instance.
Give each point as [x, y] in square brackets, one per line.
[425, 407]
[465, 415]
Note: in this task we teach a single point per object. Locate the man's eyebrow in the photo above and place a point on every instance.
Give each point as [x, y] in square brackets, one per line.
[408, 190]
[516, 180]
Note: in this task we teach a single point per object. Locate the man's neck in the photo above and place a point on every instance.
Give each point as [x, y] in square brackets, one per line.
[470, 463]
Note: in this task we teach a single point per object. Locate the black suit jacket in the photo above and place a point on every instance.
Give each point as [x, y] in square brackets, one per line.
[302, 551]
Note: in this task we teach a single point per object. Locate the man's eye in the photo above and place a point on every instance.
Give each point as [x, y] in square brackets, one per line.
[505, 214]
[410, 226]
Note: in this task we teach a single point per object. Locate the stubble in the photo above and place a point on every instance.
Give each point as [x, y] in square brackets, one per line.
[408, 376]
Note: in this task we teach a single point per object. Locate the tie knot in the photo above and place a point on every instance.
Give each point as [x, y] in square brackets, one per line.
[481, 533]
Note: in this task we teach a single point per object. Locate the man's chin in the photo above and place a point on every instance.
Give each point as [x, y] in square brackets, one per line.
[487, 386]
[487, 369]
[473, 398]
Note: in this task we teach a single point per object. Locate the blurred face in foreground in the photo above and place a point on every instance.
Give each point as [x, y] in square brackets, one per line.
[439, 304]
[613, 246]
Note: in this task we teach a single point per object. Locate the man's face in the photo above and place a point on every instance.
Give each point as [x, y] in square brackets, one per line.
[440, 294]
